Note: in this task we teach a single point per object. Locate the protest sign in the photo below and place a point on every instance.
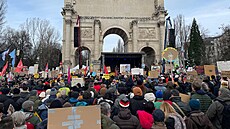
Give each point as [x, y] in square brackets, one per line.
[137, 71]
[106, 76]
[76, 80]
[200, 69]
[223, 66]
[81, 117]
[209, 70]
[225, 74]
[35, 68]
[154, 74]
[31, 70]
[194, 72]
[124, 68]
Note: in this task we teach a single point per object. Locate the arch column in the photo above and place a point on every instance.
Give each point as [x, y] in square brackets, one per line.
[97, 45]
[135, 28]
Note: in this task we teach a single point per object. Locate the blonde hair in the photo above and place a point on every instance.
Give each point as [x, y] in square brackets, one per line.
[167, 109]
[19, 118]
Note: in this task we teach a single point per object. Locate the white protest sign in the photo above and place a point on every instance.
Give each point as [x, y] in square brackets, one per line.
[223, 66]
[31, 70]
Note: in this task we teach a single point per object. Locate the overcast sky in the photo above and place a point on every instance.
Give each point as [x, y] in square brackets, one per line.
[211, 14]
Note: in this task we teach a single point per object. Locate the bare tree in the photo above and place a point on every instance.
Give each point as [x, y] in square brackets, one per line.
[2, 12]
[182, 32]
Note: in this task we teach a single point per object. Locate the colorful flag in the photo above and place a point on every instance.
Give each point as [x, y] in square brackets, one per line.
[106, 70]
[12, 55]
[47, 68]
[85, 70]
[69, 76]
[4, 69]
[19, 67]
[4, 54]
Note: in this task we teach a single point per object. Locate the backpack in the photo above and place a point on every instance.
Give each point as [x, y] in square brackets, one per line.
[225, 115]
[29, 125]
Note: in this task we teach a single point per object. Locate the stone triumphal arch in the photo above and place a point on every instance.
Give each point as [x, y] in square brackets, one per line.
[140, 23]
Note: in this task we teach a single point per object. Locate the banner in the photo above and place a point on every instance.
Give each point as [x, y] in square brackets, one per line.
[223, 66]
[76, 80]
[225, 74]
[137, 71]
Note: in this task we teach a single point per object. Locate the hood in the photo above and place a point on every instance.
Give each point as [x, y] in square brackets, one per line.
[199, 118]
[42, 107]
[124, 114]
[146, 119]
[175, 99]
[225, 94]
[73, 100]
[201, 92]
[24, 94]
[106, 122]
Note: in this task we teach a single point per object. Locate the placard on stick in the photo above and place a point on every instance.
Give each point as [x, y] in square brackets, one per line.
[209, 70]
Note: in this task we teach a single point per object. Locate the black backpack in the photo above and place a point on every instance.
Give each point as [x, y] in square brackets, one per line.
[225, 115]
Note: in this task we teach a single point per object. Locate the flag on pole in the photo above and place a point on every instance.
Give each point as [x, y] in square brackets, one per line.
[106, 70]
[47, 68]
[69, 76]
[85, 70]
[12, 55]
[19, 67]
[4, 54]
[4, 69]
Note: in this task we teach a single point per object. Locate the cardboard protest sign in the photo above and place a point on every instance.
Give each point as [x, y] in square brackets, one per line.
[137, 71]
[225, 74]
[209, 70]
[31, 70]
[153, 74]
[82, 117]
[194, 72]
[184, 98]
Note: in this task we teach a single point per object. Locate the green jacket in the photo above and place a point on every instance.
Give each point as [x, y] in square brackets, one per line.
[205, 100]
[30, 117]
[108, 123]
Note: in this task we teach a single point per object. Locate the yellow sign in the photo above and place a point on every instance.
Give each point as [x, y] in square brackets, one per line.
[112, 74]
[209, 70]
[36, 75]
[106, 76]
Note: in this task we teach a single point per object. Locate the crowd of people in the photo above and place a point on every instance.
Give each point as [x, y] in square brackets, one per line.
[127, 102]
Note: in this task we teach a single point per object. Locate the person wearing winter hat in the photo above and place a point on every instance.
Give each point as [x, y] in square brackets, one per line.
[34, 97]
[159, 117]
[145, 116]
[137, 102]
[159, 97]
[27, 107]
[52, 96]
[56, 104]
[150, 97]
[47, 93]
[124, 119]
[196, 118]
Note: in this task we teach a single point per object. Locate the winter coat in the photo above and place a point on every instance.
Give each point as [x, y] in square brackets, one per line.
[183, 106]
[3, 98]
[215, 110]
[175, 121]
[30, 117]
[37, 102]
[25, 95]
[125, 120]
[43, 111]
[205, 100]
[146, 119]
[107, 123]
[63, 99]
[136, 103]
[198, 120]
[7, 104]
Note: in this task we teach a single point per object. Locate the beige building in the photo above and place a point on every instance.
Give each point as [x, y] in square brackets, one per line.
[140, 23]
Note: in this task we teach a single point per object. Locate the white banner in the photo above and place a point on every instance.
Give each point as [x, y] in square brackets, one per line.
[223, 66]
[137, 71]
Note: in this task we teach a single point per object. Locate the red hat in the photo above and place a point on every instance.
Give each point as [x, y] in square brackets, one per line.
[124, 102]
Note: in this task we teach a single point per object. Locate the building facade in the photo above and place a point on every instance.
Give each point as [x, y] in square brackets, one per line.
[140, 23]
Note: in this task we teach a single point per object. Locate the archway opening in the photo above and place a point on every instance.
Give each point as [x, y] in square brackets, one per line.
[115, 40]
[149, 58]
[84, 58]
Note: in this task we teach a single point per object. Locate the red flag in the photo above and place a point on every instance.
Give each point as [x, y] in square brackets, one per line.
[47, 68]
[85, 70]
[19, 67]
[106, 70]
[4, 69]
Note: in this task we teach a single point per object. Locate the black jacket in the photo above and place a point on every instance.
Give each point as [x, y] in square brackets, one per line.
[125, 120]
[136, 103]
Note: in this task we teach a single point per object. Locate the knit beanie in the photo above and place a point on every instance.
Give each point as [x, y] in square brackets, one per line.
[53, 91]
[159, 94]
[194, 104]
[56, 104]
[137, 91]
[158, 115]
[26, 106]
[150, 97]
[124, 102]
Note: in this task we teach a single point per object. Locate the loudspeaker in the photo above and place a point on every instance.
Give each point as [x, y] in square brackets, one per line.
[76, 34]
[172, 38]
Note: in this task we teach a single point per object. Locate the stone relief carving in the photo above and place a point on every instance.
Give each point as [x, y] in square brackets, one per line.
[86, 33]
[147, 33]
